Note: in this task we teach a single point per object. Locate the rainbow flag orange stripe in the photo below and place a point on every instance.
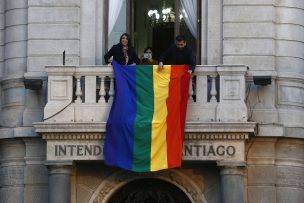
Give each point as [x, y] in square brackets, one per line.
[145, 128]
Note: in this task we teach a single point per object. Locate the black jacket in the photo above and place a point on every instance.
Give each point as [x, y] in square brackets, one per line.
[175, 56]
[116, 52]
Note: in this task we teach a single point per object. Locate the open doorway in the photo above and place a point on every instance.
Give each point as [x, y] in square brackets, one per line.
[151, 27]
[149, 190]
[156, 23]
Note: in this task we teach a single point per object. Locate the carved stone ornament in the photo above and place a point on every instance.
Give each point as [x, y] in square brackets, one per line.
[121, 178]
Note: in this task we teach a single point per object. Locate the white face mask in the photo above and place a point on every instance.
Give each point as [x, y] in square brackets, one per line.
[148, 55]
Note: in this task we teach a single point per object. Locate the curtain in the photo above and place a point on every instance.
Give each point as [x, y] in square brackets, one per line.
[114, 10]
[189, 12]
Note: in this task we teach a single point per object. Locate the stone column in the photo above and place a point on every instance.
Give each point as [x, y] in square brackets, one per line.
[35, 172]
[15, 63]
[12, 152]
[232, 182]
[59, 181]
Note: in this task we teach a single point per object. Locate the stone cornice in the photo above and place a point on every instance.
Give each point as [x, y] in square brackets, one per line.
[12, 83]
[216, 136]
[71, 127]
[100, 136]
[191, 127]
[220, 127]
[72, 136]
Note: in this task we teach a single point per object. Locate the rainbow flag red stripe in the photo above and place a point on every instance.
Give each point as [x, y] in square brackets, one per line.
[145, 128]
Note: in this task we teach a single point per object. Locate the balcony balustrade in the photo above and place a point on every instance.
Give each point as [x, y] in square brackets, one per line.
[85, 94]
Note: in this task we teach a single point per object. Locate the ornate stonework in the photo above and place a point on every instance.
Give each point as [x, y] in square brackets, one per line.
[117, 180]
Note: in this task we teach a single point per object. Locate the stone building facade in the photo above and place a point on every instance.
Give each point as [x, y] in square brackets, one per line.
[243, 139]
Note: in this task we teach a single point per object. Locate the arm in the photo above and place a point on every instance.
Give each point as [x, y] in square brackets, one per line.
[192, 60]
[163, 58]
[165, 54]
[108, 55]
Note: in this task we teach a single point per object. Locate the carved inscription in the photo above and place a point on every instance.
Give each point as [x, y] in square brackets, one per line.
[78, 150]
[205, 150]
[214, 150]
[192, 150]
[74, 150]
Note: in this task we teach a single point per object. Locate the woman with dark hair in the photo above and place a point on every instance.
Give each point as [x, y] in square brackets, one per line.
[122, 52]
[147, 58]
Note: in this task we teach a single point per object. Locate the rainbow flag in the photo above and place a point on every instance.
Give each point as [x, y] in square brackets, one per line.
[145, 128]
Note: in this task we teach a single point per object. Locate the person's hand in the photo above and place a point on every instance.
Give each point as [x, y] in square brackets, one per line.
[160, 66]
[110, 59]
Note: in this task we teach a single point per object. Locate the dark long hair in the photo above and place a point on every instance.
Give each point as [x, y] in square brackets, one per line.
[147, 48]
[128, 37]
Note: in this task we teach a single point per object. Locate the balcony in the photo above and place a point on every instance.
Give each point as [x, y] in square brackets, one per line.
[80, 98]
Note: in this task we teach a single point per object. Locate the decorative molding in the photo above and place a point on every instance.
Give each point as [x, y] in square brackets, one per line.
[220, 127]
[11, 83]
[101, 136]
[117, 180]
[191, 127]
[216, 136]
[73, 136]
[76, 127]
[289, 77]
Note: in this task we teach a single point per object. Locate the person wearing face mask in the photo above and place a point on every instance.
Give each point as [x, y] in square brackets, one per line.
[147, 58]
[178, 54]
[122, 52]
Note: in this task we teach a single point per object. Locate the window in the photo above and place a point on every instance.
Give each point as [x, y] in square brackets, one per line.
[154, 23]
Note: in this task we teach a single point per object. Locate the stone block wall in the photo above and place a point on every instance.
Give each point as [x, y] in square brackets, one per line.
[12, 164]
[23, 175]
[289, 65]
[275, 170]
[53, 26]
[268, 37]
[248, 33]
[2, 29]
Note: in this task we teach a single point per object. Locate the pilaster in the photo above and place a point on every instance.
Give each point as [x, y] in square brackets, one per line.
[59, 181]
[12, 171]
[35, 172]
[232, 181]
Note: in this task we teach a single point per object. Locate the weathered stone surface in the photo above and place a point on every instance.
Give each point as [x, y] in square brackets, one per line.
[266, 35]
[284, 194]
[53, 2]
[262, 194]
[261, 174]
[193, 150]
[12, 171]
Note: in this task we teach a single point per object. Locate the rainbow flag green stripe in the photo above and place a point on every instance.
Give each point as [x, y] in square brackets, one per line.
[143, 118]
[146, 124]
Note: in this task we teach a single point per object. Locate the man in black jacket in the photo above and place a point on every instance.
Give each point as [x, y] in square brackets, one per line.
[178, 54]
